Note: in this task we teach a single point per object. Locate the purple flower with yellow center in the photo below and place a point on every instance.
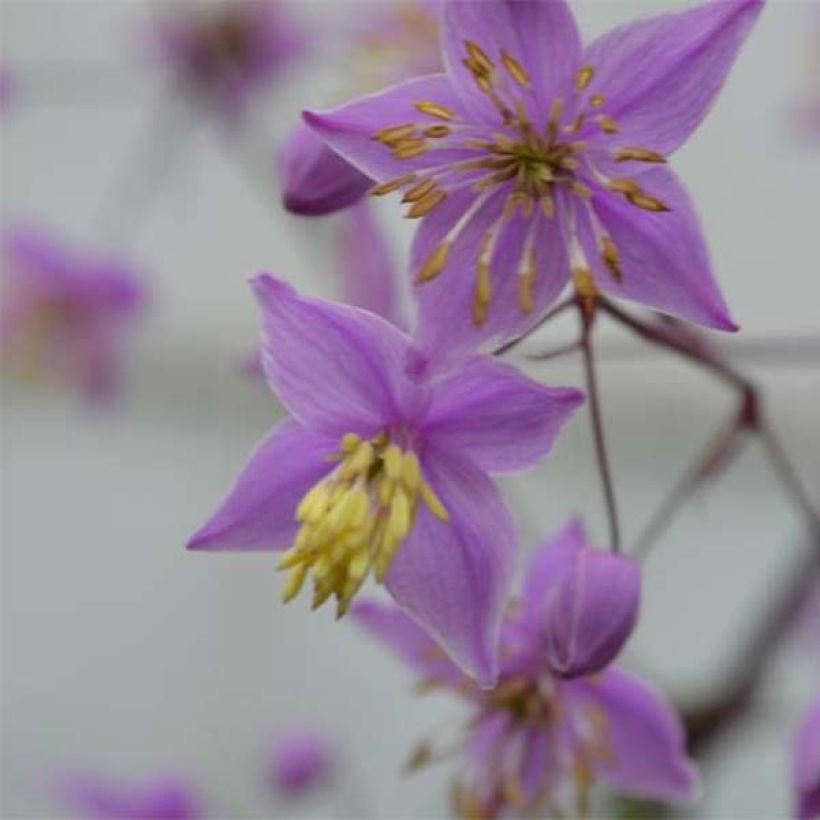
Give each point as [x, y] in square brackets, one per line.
[162, 798]
[65, 314]
[806, 766]
[300, 762]
[384, 470]
[225, 52]
[538, 738]
[533, 161]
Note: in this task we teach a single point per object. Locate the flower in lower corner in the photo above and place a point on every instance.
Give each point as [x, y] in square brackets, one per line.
[96, 798]
[383, 470]
[539, 739]
[534, 160]
[806, 765]
[300, 761]
[66, 314]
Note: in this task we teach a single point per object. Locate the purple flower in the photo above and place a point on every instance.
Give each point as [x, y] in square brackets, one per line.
[536, 732]
[534, 160]
[225, 52]
[163, 798]
[396, 41]
[300, 761]
[383, 469]
[65, 314]
[807, 765]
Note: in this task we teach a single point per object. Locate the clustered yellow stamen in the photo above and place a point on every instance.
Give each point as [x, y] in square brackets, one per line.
[353, 521]
[536, 165]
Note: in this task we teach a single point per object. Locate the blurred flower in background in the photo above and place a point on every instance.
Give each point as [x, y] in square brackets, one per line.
[806, 764]
[66, 314]
[301, 760]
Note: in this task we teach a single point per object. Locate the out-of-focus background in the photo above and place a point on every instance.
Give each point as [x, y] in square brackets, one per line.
[126, 655]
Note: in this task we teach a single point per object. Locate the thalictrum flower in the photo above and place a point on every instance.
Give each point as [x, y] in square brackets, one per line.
[225, 52]
[807, 765]
[536, 734]
[534, 160]
[163, 798]
[393, 41]
[383, 469]
[300, 761]
[65, 314]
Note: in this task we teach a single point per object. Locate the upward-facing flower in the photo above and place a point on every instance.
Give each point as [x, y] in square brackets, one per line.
[538, 738]
[224, 52]
[534, 160]
[65, 315]
[384, 469]
[807, 765]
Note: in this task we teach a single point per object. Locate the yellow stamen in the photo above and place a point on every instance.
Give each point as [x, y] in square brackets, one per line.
[419, 191]
[597, 100]
[426, 204]
[515, 69]
[434, 109]
[479, 58]
[393, 185]
[609, 253]
[607, 124]
[584, 77]
[433, 502]
[409, 147]
[647, 203]
[437, 131]
[624, 186]
[435, 262]
[638, 155]
[395, 132]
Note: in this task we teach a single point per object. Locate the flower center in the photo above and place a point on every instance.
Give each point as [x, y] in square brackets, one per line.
[353, 521]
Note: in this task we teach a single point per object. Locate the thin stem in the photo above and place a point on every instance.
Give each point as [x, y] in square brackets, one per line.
[598, 435]
[560, 308]
[555, 353]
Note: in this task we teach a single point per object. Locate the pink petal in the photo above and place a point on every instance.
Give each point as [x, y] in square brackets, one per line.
[259, 511]
[644, 735]
[337, 368]
[539, 34]
[349, 129]
[497, 417]
[660, 76]
[387, 623]
[663, 256]
[454, 577]
[807, 765]
[369, 275]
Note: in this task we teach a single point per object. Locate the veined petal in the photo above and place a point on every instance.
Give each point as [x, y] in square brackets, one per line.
[643, 745]
[369, 275]
[660, 76]
[453, 577]
[350, 129]
[401, 634]
[496, 416]
[259, 513]
[807, 765]
[662, 256]
[337, 368]
[539, 35]
[315, 179]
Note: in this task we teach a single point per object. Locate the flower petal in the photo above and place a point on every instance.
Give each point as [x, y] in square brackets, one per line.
[660, 76]
[259, 511]
[369, 275]
[453, 577]
[807, 765]
[643, 735]
[336, 368]
[315, 179]
[496, 416]
[350, 129]
[663, 256]
[540, 35]
[408, 640]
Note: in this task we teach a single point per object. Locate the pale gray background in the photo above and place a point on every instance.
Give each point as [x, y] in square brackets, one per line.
[124, 654]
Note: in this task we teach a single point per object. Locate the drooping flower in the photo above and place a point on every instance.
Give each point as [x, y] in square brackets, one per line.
[66, 314]
[538, 738]
[806, 766]
[226, 52]
[300, 761]
[392, 42]
[383, 469]
[533, 161]
[96, 798]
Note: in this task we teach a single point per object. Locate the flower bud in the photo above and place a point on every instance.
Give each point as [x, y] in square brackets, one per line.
[300, 761]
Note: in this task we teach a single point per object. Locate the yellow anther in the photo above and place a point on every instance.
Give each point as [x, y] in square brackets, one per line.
[646, 202]
[433, 502]
[425, 205]
[314, 504]
[638, 155]
[290, 558]
[393, 185]
[392, 459]
[398, 524]
[358, 462]
[395, 132]
[435, 262]
[437, 131]
[607, 124]
[484, 285]
[577, 187]
[597, 100]
[585, 285]
[609, 253]
[410, 472]
[547, 206]
[419, 191]
[409, 147]
[584, 77]
[624, 186]
[480, 62]
[515, 69]
[434, 109]
[350, 441]
[526, 286]
[294, 582]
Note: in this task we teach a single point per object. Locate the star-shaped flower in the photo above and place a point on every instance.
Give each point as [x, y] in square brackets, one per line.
[534, 160]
